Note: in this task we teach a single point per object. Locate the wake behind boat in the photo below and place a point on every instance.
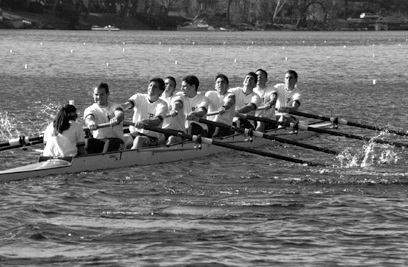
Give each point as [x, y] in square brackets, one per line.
[149, 156]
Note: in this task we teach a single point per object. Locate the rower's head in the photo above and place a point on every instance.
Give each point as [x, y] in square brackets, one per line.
[170, 86]
[291, 78]
[155, 89]
[101, 94]
[262, 76]
[65, 114]
[71, 112]
[250, 80]
[189, 85]
[221, 83]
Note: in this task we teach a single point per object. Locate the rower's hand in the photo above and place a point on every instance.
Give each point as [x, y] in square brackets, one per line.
[191, 116]
[114, 122]
[173, 113]
[221, 110]
[141, 124]
[283, 109]
[92, 126]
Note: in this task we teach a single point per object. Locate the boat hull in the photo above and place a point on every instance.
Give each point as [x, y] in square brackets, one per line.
[128, 158]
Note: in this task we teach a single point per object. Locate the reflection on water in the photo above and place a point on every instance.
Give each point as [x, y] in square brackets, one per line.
[233, 208]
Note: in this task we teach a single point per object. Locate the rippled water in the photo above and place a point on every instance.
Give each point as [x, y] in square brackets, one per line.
[231, 209]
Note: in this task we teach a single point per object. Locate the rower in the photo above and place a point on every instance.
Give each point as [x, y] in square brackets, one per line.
[289, 97]
[269, 96]
[223, 103]
[149, 110]
[175, 120]
[104, 111]
[246, 100]
[195, 106]
[64, 137]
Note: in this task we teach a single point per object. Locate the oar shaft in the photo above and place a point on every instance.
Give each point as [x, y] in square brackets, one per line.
[349, 123]
[270, 137]
[352, 136]
[227, 145]
[319, 130]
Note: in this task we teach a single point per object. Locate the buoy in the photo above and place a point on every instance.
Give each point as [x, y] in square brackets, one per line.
[225, 42]
[11, 50]
[175, 62]
[107, 64]
[210, 48]
[344, 46]
[286, 58]
[303, 41]
[235, 60]
[72, 50]
[374, 81]
[373, 55]
[41, 43]
[315, 46]
[325, 42]
[25, 66]
[84, 43]
[252, 42]
[71, 102]
[124, 43]
[123, 50]
[283, 47]
[169, 49]
[248, 48]
[159, 43]
[193, 42]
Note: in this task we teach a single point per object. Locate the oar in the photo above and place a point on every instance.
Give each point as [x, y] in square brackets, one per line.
[350, 123]
[270, 137]
[210, 141]
[29, 141]
[319, 130]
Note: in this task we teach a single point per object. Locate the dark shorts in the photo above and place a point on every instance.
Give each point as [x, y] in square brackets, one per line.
[93, 145]
[196, 129]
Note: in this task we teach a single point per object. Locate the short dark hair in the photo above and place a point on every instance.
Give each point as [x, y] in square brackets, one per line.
[191, 80]
[172, 79]
[160, 82]
[264, 71]
[253, 74]
[222, 76]
[293, 72]
[103, 85]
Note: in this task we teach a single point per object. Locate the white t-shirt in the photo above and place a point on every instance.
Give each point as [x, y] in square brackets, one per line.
[195, 103]
[285, 97]
[177, 122]
[241, 99]
[216, 102]
[266, 96]
[65, 144]
[144, 109]
[104, 115]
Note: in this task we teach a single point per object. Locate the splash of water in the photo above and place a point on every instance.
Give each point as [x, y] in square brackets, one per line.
[7, 126]
[369, 154]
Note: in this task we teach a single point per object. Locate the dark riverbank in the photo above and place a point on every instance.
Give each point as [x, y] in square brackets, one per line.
[24, 20]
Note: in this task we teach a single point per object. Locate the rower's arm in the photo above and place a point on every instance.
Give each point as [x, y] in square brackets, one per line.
[200, 112]
[119, 115]
[272, 101]
[229, 101]
[128, 105]
[177, 105]
[247, 108]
